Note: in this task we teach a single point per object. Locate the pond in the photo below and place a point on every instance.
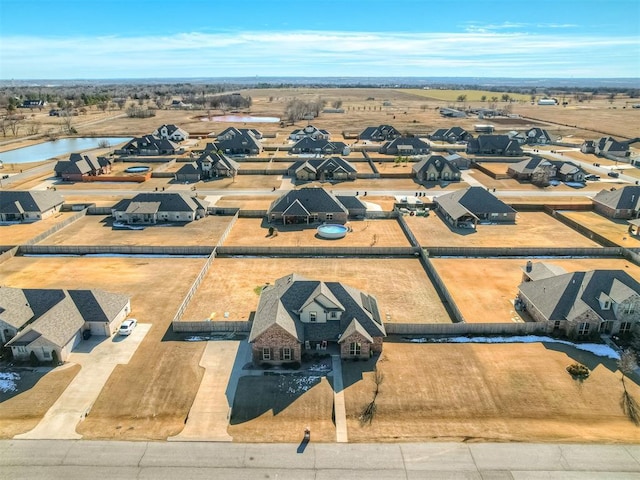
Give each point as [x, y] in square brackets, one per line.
[57, 148]
[240, 119]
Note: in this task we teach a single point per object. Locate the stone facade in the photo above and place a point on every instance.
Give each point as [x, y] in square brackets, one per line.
[276, 340]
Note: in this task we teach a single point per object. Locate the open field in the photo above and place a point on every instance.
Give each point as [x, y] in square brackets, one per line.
[532, 229]
[255, 231]
[38, 391]
[484, 288]
[96, 230]
[616, 231]
[516, 392]
[471, 95]
[17, 233]
[232, 285]
[131, 405]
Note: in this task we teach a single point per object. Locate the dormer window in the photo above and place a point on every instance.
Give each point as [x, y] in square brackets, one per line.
[313, 316]
[605, 301]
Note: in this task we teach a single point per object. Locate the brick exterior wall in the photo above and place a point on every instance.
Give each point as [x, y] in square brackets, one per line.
[366, 348]
[275, 338]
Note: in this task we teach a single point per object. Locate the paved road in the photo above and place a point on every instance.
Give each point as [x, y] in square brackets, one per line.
[42, 460]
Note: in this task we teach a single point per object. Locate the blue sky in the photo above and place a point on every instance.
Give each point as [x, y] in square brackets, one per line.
[67, 39]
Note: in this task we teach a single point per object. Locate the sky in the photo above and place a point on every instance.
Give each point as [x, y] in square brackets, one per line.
[97, 39]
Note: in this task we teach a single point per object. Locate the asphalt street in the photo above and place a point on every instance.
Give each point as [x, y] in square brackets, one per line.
[81, 459]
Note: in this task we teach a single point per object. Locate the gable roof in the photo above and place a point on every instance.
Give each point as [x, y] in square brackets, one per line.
[164, 202]
[381, 132]
[332, 164]
[313, 199]
[438, 162]
[319, 144]
[499, 143]
[20, 201]
[405, 143]
[473, 200]
[567, 296]
[57, 315]
[281, 303]
[625, 198]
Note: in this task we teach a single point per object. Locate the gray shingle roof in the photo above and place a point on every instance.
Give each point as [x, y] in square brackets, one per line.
[279, 305]
[163, 202]
[436, 161]
[14, 307]
[18, 201]
[475, 200]
[313, 199]
[566, 296]
[625, 198]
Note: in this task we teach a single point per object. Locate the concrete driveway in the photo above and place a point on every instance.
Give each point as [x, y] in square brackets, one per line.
[209, 415]
[97, 356]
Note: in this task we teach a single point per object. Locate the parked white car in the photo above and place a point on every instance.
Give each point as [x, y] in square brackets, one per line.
[127, 326]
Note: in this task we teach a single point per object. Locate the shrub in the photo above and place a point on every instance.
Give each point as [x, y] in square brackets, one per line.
[55, 361]
[33, 360]
[577, 370]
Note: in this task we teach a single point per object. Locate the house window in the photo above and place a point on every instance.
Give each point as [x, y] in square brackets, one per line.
[631, 308]
[329, 216]
[625, 327]
[266, 353]
[556, 324]
[286, 353]
[606, 305]
[354, 349]
[583, 328]
[313, 316]
[333, 314]
[46, 355]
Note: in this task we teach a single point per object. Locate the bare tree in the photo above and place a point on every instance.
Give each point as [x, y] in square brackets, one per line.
[627, 364]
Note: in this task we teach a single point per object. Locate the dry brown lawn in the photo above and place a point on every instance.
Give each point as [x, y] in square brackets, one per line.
[277, 408]
[255, 231]
[96, 230]
[404, 292]
[467, 392]
[532, 229]
[132, 405]
[616, 231]
[21, 412]
[484, 288]
[18, 233]
[246, 202]
[386, 203]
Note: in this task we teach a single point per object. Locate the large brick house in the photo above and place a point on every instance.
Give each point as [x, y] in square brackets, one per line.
[295, 314]
[621, 203]
[580, 304]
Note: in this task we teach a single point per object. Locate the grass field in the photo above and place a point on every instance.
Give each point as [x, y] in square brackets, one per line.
[617, 231]
[231, 285]
[471, 95]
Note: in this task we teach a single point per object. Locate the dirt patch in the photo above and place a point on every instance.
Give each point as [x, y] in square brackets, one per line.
[37, 391]
[518, 392]
[365, 233]
[532, 229]
[232, 286]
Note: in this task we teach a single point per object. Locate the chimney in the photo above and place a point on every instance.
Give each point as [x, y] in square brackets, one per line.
[529, 266]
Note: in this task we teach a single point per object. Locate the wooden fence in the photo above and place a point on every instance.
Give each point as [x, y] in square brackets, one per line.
[527, 328]
[582, 229]
[6, 255]
[200, 250]
[441, 288]
[318, 251]
[56, 227]
[483, 252]
[210, 326]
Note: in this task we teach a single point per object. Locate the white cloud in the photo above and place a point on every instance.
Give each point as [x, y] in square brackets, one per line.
[313, 53]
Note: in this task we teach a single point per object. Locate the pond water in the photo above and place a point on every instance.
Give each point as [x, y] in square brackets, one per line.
[241, 119]
[57, 148]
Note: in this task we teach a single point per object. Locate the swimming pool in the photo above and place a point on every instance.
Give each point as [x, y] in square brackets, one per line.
[332, 231]
[139, 169]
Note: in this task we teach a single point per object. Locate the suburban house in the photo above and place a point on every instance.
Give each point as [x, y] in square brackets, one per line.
[451, 135]
[582, 304]
[150, 145]
[588, 146]
[81, 165]
[314, 205]
[171, 132]
[239, 141]
[320, 146]
[151, 208]
[43, 321]
[33, 104]
[540, 171]
[619, 203]
[28, 205]
[296, 313]
[465, 208]
[537, 136]
[403, 146]
[462, 163]
[610, 146]
[309, 131]
[382, 133]
[435, 168]
[210, 165]
[500, 145]
[332, 168]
